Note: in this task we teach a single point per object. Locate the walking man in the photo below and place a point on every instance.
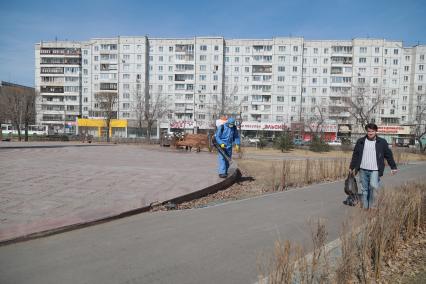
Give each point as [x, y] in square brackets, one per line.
[225, 136]
[368, 158]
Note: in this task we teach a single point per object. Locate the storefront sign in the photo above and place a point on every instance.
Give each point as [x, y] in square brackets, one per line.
[393, 129]
[264, 126]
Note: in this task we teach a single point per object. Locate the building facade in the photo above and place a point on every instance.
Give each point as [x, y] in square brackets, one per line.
[267, 83]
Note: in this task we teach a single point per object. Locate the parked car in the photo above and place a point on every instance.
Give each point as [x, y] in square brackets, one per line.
[298, 142]
[336, 142]
[253, 140]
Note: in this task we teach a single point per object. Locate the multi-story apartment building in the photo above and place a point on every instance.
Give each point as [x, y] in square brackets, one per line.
[58, 84]
[267, 83]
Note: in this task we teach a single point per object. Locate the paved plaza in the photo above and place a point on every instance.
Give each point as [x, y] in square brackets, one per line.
[43, 188]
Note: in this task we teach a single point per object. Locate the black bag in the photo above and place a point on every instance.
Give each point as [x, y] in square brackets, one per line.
[351, 187]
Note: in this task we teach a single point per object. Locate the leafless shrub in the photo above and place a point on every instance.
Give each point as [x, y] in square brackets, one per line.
[367, 242]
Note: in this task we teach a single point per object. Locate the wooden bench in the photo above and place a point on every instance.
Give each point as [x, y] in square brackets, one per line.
[190, 141]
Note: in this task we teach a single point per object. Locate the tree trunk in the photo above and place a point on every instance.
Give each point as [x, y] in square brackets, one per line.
[19, 132]
[26, 131]
[148, 130]
[108, 122]
[1, 133]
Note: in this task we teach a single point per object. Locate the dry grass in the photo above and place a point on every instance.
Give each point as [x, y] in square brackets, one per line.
[400, 155]
[280, 175]
[368, 243]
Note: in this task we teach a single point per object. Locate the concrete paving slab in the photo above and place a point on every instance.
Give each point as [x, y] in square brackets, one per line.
[42, 188]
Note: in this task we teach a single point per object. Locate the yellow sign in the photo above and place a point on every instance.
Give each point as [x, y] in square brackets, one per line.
[90, 122]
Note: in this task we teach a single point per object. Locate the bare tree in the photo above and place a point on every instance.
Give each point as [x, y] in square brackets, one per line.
[419, 112]
[155, 107]
[362, 103]
[18, 107]
[29, 110]
[138, 107]
[3, 109]
[107, 103]
[225, 105]
[315, 122]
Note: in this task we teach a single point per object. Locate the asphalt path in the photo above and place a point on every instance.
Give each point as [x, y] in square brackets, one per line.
[217, 244]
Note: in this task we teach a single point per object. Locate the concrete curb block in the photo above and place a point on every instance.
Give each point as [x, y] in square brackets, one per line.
[231, 179]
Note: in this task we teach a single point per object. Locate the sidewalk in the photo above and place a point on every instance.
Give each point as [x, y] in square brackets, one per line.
[217, 244]
[65, 184]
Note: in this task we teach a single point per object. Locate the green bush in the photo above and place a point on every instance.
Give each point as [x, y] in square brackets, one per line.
[319, 145]
[284, 142]
[262, 142]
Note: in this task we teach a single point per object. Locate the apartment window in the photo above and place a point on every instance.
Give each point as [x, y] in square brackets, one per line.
[421, 67]
[280, 99]
[324, 80]
[247, 69]
[375, 80]
[295, 48]
[362, 50]
[203, 57]
[281, 48]
[395, 62]
[420, 77]
[126, 76]
[281, 58]
[294, 58]
[376, 60]
[362, 60]
[281, 78]
[419, 88]
[422, 57]
[293, 99]
[377, 50]
[202, 67]
[216, 48]
[236, 59]
[315, 50]
[126, 47]
[237, 49]
[325, 61]
[406, 68]
[160, 77]
[281, 69]
[395, 51]
[314, 70]
[203, 47]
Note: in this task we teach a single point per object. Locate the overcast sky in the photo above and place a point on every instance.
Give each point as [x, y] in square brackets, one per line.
[24, 23]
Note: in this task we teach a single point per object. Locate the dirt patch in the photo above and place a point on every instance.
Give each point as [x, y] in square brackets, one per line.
[408, 265]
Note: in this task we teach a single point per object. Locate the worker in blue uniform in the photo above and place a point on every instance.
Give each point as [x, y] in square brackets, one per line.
[226, 135]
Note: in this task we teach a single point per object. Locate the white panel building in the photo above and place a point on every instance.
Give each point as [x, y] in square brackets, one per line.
[267, 83]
